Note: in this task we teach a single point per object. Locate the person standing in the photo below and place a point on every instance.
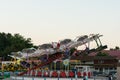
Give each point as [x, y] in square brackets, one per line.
[110, 77]
[85, 78]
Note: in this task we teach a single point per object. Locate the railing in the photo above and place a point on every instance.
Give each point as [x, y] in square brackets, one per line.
[45, 78]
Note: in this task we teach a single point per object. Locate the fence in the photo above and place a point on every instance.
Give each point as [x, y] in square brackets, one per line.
[46, 78]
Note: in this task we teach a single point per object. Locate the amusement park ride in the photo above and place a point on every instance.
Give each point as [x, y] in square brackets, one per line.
[56, 50]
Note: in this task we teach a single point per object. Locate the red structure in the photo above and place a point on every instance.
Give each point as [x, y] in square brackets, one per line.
[54, 74]
[79, 74]
[50, 60]
[63, 74]
[71, 74]
[33, 73]
[39, 73]
[46, 74]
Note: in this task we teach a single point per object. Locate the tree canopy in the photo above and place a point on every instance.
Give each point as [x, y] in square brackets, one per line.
[116, 48]
[102, 54]
[12, 43]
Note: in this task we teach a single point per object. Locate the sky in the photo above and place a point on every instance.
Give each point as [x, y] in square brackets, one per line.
[47, 21]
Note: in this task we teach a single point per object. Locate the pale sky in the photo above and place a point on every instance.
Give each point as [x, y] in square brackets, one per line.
[45, 21]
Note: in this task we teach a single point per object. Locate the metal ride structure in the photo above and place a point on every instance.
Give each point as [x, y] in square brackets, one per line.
[56, 50]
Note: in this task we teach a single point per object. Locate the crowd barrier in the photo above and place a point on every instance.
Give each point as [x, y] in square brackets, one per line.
[62, 74]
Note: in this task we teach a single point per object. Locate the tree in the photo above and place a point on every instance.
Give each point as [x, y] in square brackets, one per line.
[116, 48]
[12, 43]
[102, 54]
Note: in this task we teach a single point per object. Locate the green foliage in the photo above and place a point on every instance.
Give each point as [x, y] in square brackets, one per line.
[116, 48]
[72, 51]
[102, 54]
[12, 43]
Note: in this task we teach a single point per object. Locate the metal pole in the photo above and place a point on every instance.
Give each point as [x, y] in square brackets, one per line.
[76, 78]
[55, 66]
[100, 41]
[60, 65]
[94, 77]
[51, 66]
[96, 42]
